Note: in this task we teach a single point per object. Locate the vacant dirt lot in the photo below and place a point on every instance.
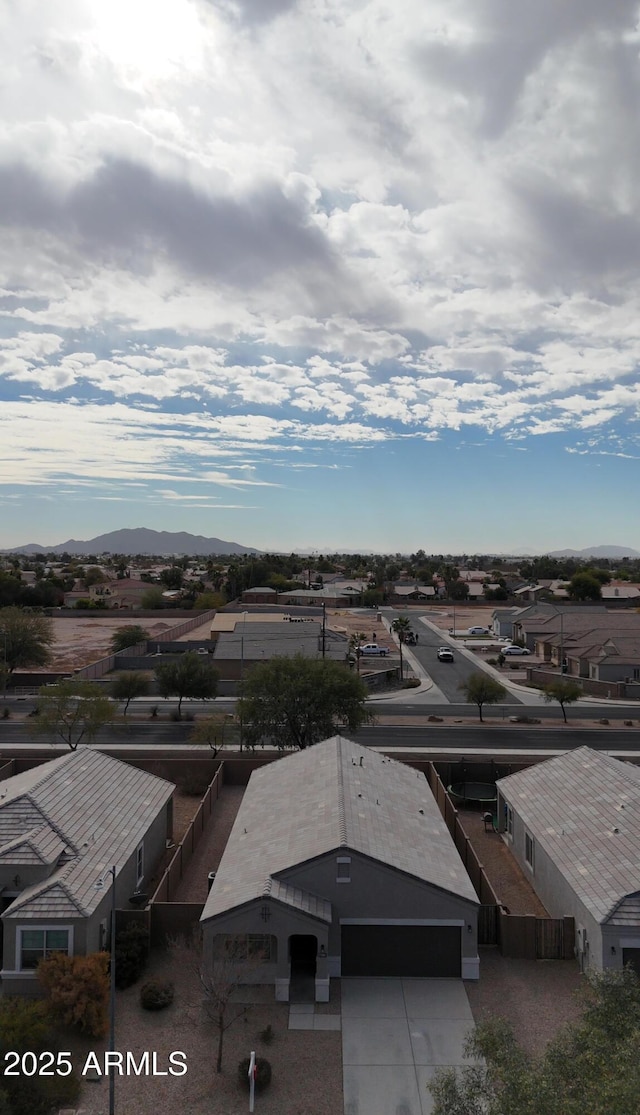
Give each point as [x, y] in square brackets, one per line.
[81, 641]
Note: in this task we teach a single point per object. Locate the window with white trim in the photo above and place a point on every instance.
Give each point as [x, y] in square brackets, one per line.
[35, 945]
[139, 864]
[529, 849]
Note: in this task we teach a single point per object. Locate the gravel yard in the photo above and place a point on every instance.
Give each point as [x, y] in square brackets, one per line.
[538, 997]
[507, 879]
[306, 1064]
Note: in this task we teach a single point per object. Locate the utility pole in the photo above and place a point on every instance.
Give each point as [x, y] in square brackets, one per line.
[324, 627]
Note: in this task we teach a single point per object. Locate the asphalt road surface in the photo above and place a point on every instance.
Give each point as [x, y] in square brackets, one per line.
[448, 676]
[459, 736]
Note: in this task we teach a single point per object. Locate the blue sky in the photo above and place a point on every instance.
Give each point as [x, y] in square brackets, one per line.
[313, 274]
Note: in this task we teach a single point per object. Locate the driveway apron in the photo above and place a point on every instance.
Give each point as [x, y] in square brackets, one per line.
[395, 1034]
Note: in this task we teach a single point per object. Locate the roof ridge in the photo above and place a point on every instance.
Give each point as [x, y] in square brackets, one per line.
[342, 813]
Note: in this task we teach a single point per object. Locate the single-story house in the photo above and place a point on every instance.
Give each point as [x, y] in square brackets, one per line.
[573, 824]
[235, 652]
[63, 825]
[262, 595]
[340, 864]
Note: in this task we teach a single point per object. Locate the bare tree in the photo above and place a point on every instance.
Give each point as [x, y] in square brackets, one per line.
[220, 970]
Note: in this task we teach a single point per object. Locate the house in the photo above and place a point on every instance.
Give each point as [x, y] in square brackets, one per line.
[63, 825]
[573, 824]
[339, 863]
[235, 652]
[263, 595]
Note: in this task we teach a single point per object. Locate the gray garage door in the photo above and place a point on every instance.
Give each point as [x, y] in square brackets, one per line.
[401, 950]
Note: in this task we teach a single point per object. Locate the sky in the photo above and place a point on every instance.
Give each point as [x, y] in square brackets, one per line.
[332, 274]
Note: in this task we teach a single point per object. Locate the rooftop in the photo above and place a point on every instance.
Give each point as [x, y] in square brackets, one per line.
[583, 808]
[334, 795]
[79, 813]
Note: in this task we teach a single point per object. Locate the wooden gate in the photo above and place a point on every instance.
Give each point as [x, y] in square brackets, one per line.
[549, 938]
[488, 925]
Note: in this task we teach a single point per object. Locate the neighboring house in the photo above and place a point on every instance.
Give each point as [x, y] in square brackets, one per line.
[339, 863]
[502, 621]
[235, 652]
[263, 595]
[63, 824]
[401, 594]
[617, 590]
[573, 824]
[327, 596]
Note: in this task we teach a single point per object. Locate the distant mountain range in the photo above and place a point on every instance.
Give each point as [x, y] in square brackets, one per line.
[597, 552]
[139, 541]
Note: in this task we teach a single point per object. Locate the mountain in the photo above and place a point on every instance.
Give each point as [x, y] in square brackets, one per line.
[597, 552]
[139, 541]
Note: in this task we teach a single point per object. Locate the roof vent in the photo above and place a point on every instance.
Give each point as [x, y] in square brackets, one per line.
[616, 830]
[361, 763]
[421, 811]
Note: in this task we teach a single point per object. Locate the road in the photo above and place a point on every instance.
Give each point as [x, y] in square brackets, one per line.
[458, 736]
[447, 676]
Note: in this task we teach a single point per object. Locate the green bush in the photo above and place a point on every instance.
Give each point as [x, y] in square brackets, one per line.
[132, 952]
[155, 995]
[267, 1035]
[411, 683]
[263, 1073]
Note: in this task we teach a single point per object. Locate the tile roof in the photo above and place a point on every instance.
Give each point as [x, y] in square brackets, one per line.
[336, 794]
[84, 811]
[583, 808]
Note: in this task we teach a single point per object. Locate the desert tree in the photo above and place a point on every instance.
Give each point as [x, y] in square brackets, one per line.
[73, 711]
[220, 967]
[296, 702]
[480, 689]
[25, 639]
[190, 675]
[564, 691]
[592, 1065]
[128, 636]
[127, 686]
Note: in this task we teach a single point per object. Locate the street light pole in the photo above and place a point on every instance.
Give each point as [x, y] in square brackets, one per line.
[99, 884]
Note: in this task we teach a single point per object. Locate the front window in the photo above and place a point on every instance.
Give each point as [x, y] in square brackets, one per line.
[256, 947]
[38, 944]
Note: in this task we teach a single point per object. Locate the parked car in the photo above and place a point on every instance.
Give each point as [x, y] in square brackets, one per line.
[515, 650]
[478, 631]
[372, 648]
[445, 654]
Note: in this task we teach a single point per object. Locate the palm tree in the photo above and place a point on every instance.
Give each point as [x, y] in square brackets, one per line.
[402, 626]
[356, 639]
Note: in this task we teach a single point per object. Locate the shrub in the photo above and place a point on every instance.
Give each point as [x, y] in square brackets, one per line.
[492, 661]
[263, 1073]
[267, 1035]
[411, 683]
[78, 988]
[155, 995]
[5, 713]
[132, 951]
[26, 1026]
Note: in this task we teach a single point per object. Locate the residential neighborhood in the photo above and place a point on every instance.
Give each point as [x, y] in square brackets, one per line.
[367, 894]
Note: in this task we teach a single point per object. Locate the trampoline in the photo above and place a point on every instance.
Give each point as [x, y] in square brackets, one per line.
[476, 793]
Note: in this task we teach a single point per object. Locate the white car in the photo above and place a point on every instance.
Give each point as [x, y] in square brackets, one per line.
[372, 648]
[515, 650]
[478, 631]
[445, 654]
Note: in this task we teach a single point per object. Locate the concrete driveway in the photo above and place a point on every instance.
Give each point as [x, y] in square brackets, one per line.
[395, 1033]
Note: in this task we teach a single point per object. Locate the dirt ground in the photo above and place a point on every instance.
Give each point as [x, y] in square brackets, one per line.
[509, 882]
[78, 642]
